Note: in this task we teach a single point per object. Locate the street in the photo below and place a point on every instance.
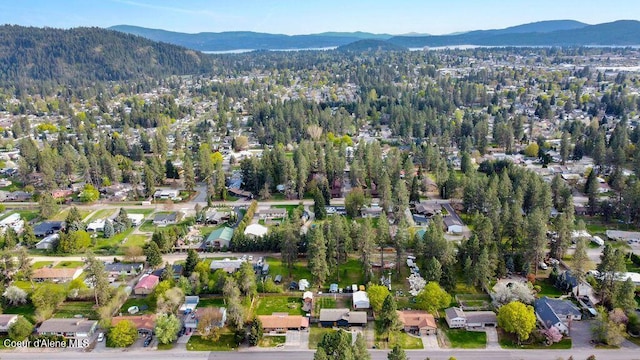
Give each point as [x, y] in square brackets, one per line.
[282, 354]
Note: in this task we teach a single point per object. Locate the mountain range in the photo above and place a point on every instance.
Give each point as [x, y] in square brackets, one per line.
[543, 33]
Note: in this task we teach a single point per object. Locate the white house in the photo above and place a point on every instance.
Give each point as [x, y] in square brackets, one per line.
[96, 225]
[455, 318]
[361, 300]
[6, 320]
[136, 219]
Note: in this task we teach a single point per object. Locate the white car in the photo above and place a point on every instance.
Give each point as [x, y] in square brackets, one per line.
[100, 337]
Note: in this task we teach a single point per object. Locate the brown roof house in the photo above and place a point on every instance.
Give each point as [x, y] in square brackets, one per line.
[418, 322]
[56, 275]
[144, 323]
[69, 328]
[281, 322]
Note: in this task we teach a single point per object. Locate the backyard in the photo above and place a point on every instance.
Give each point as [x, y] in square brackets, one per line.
[70, 309]
[299, 271]
[268, 305]
[146, 305]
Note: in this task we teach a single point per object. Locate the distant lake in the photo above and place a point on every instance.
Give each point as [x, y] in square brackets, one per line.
[240, 51]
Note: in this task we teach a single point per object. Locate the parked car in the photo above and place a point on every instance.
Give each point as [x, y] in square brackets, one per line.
[147, 341]
[100, 337]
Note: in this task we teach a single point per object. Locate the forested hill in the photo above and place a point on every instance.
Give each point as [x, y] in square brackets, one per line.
[88, 54]
[371, 45]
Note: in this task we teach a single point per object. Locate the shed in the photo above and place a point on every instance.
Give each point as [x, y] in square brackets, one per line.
[360, 300]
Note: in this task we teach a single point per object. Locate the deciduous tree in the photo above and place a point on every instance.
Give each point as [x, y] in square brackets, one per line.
[517, 318]
[123, 334]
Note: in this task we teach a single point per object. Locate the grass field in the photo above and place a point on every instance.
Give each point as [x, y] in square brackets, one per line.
[509, 341]
[270, 304]
[315, 335]
[69, 309]
[350, 273]
[101, 214]
[111, 245]
[217, 302]
[146, 212]
[147, 226]
[140, 303]
[272, 341]
[405, 341]
[41, 264]
[547, 288]
[28, 215]
[63, 214]
[299, 271]
[26, 310]
[136, 240]
[461, 338]
[226, 342]
[69, 264]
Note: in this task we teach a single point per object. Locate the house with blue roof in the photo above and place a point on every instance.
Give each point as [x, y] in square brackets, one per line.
[556, 313]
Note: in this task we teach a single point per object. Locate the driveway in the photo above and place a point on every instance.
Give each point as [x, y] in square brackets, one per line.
[581, 334]
[492, 338]
[430, 342]
[297, 340]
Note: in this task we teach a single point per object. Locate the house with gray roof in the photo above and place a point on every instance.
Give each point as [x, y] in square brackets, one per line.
[556, 313]
[68, 328]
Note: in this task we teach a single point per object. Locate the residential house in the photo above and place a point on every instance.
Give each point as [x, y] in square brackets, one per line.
[123, 269]
[453, 225]
[457, 318]
[272, 213]
[255, 230]
[418, 322]
[56, 274]
[360, 300]
[20, 196]
[227, 265]
[547, 317]
[164, 219]
[48, 243]
[419, 220]
[96, 225]
[164, 194]
[219, 238]
[564, 310]
[282, 322]
[342, 318]
[68, 328]
[146, 284]
[214, 216]
[136, 219]
[144, 323]
[6, 320]
[371, 212]
[428, 210]
[45, 228]
[61, 193]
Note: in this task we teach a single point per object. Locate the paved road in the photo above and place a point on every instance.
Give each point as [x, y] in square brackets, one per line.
[621, 354]
[171, 258]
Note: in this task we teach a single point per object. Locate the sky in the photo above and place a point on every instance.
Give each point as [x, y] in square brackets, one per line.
[312, 16]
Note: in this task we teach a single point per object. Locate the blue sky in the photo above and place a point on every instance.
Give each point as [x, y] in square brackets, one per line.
[311, 16]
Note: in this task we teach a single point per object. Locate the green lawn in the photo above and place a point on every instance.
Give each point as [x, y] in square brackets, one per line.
[350, 273]
[101, 214]
[41, 264]
[299, 271]
[272, 341]
[226, 342]
[136, 240]
[69, 264]
[463, 339]
[548, 289]
[139, 302]
[315, 335]
[28, 215]
[400, 338]
[268, 305]
[139, 211]
[508, 341]
[69, 309]
[217, 302]
[26, 310]
[111, 245]
[63, 214]
[148, 226]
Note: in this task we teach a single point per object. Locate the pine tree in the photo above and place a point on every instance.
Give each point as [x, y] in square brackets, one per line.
[189, 174]
[191, 262]
[318, 258]
[397, 354]
[319, 205]
[154, 257]
[28, 236]
[389, 316]
[108, 229]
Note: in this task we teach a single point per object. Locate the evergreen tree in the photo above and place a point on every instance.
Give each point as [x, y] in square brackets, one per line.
[191, 262]
[397, 353]
[389, 316]
[154, 257]
[108, 231]
[319, 205]
[318, 258]
[28, 236]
